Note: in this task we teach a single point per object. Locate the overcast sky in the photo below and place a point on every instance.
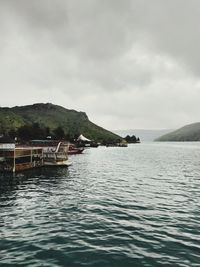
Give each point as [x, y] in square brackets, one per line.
[128, 64]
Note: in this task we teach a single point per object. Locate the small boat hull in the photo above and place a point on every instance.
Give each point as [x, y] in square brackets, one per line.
[73, 151]
[60, 163]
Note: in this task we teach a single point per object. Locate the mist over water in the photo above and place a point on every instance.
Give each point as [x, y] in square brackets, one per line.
[135, 206]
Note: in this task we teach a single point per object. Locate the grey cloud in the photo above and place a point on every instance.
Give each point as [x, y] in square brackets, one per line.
[171, 27]
[47, 14]
[94, 29]
[87, 49]
[100, 30]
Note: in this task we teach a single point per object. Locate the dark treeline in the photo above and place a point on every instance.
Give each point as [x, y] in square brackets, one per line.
[35, 131]
[132, 139]
[111, 141]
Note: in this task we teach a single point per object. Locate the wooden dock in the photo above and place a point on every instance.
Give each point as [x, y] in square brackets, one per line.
[18, 158]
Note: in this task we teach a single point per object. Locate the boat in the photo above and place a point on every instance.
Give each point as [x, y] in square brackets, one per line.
[56, 161]
[55, 152]
[75, 150]
[57, 157]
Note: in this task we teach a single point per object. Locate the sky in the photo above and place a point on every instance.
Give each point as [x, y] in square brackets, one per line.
[129, 64]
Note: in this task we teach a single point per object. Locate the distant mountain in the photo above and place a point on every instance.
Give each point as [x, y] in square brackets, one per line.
[144, 135]
[189, 132]
[52, 116]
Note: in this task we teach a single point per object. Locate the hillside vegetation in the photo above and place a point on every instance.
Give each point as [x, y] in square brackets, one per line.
[187, 133]
[52, 116]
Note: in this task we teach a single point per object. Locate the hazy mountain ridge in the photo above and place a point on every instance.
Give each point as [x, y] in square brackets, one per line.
[144, 135]
[189, 132]
[52, 116]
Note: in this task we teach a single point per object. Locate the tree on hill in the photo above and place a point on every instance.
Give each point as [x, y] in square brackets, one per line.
[51, 116]
[31, 131]
[132, 139]
[37, 131]
[12, 133]
[59, 133]
[25, 133]
[47, 131]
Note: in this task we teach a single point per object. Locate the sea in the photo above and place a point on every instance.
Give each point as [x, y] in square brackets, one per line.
[114, 207]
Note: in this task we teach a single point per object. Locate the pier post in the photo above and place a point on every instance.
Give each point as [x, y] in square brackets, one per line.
[14, 160]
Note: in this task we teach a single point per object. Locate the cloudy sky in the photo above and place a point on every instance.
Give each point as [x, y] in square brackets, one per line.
[126, 63]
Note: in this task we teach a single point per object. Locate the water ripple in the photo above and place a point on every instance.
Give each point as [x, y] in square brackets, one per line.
[138, 206]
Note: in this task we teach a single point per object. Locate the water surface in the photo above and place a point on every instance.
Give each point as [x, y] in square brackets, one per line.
[135, 206]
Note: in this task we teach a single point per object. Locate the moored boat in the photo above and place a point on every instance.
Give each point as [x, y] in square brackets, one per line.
[75, 150]
[55, 153]
[52, 161]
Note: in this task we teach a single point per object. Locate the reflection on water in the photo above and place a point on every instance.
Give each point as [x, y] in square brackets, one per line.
[135, 206]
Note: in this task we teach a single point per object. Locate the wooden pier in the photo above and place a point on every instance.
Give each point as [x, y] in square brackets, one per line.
[39, 153]
[18, 158]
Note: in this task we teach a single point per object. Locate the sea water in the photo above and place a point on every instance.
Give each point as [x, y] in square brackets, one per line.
[135, 206]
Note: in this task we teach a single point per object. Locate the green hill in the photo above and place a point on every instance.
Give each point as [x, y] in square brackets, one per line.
[187, 133]
[52, 116]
